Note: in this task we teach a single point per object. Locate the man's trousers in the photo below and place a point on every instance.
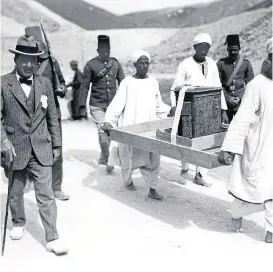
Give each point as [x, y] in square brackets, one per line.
[149, 170]
[57, 168]
[241, 208]
[42, 181]
[98, 115]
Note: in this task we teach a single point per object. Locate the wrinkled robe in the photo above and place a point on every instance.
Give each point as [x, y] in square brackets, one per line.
[250, 137]
[136, 101]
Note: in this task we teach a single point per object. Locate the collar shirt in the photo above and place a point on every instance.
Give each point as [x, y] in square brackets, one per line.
[193, 73]
[26, 88]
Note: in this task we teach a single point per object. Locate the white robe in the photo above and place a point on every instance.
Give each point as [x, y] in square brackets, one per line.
[190, 72]
[136, 101]
[250, 137]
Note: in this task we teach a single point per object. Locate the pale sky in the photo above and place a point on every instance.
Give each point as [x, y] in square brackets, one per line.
[126, 6]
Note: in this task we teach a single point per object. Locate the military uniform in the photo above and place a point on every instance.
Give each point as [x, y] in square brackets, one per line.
[104, 86]
[236, 88]
[105, 78]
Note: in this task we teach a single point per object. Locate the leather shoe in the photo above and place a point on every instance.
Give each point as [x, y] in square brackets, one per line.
[155, 195]
[200, 181]
[131, 187]
[56, 247]
[61, 195]
[17, 233]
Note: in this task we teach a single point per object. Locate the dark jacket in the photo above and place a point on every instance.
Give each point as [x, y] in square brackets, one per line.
[76, 82]
[243, 77]
[104, 87]
[28, 127]
[48, 74]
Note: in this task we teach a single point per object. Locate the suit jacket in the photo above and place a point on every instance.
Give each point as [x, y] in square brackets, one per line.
[39, 132]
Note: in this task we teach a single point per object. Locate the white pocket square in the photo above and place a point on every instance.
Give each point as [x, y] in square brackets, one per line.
[44, 101]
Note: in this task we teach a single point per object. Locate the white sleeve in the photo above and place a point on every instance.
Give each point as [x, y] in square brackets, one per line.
[117, 105]
[239, 127]
[161, 108]
[179, 80]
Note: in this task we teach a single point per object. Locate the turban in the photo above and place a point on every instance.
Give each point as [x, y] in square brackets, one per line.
[268, 46]
[138, 54]
[202, 38]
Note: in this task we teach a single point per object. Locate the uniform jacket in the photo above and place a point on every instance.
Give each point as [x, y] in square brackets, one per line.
[38, 129]
[243, 77]
[48, 74]
[103, 88]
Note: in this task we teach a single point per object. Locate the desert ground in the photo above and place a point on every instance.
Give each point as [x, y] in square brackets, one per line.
[108, 228]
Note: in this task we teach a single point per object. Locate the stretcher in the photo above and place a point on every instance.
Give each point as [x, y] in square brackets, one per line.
[161, 137]
[154, 137]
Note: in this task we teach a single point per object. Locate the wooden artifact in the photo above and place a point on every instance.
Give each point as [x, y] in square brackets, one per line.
[194, 135]
[201, 112]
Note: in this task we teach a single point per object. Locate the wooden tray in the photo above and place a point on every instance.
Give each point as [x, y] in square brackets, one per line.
[202, 151]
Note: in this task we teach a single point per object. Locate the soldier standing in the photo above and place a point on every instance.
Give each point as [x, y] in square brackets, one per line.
[46, 70]
[76, 84]
[235, 72]
[105, 73]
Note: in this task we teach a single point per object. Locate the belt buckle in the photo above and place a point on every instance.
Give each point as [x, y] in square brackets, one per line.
[232, 88]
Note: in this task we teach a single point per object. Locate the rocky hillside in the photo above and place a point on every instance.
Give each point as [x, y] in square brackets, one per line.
[85, 15]
[195, 15]
[254, 28]
[21, 12]
[90, 17]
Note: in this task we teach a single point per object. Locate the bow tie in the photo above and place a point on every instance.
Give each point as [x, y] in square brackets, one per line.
[25, 81]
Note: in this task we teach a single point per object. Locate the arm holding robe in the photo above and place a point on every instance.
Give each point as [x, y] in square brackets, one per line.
[239, 127]
[117, 105]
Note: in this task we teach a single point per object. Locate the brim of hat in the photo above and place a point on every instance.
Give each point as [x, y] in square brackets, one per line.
[44, 55]
[14, 51]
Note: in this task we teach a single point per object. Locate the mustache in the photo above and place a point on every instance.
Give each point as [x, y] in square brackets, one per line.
[29, 69]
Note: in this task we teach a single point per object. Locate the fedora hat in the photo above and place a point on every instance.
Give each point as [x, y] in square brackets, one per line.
[26, 45]
[42, 47]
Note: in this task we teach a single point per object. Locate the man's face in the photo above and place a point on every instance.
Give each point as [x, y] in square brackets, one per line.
[142, 66]
[201, 50]
[233, 51]
[74, 67]
[104, 52]
[25, 65]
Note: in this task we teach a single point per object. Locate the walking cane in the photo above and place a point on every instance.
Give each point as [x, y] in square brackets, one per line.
[10, 183]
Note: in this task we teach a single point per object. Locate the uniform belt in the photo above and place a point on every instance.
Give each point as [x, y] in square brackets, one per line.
[228, 90]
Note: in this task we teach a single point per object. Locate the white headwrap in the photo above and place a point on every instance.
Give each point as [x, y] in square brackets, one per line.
[138, 54]
[202, 38]
[268, 46]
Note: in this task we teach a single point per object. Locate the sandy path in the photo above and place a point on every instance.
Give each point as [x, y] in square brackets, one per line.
[108, 228]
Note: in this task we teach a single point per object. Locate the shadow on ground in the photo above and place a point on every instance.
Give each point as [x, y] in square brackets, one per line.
[33, 225]
[180, 206]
